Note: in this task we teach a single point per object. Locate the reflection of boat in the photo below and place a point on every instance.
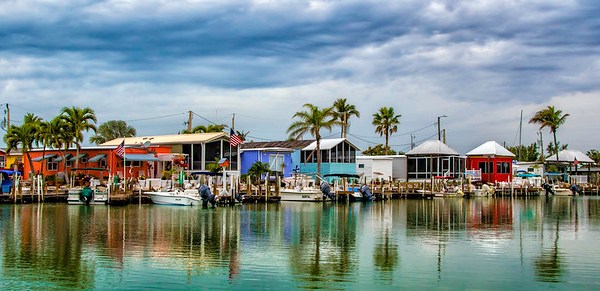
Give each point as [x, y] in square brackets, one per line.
[88, 195]
[187, 197]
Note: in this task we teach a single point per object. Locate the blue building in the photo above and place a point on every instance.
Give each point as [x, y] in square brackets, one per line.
[282, 156]
[338, 156]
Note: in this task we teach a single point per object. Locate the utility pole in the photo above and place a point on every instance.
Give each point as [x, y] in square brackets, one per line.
[189, 123]
[438, 125]
[412, 141]
[444, 135]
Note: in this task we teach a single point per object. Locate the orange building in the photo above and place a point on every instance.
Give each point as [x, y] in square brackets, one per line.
[147, 156]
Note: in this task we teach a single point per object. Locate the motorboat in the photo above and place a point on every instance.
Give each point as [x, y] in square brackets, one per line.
[183, 197]
[97, 195]
[301, 194]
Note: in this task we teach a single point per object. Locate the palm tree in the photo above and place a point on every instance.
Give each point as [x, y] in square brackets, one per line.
[343, 112]
[312, 121]
[551, 118]
[242, 134]
[24, 135]
[78, 120]
[257, 170]
[205, 129]
[386, 122]
[112, 129]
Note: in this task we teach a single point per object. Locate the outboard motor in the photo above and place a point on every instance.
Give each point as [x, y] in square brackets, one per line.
[326, 190]
[206, 196]
[366, 193]
[576, 189]
[548, 188]
[86, 196]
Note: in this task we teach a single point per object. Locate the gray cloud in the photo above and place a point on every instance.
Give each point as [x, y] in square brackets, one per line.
[425, 57]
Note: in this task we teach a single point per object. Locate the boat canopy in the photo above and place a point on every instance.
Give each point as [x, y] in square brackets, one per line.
[9, 172]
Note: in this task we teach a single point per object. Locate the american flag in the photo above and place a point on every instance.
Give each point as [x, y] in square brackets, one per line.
[234, 140]
[120, 150]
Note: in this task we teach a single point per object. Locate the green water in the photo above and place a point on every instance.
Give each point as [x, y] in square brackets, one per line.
[411, 244]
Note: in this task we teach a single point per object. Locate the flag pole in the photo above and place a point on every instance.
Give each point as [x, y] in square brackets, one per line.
[124, 170]
[232, 130]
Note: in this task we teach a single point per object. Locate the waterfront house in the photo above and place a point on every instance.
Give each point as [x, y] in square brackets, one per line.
[493, 160]
[282, 156]
[338, 156]
[390, 167]
[574, 163]
[199, 149]
[434, 158]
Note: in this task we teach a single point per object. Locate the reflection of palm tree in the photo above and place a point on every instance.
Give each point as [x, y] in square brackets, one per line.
[385, 256]
[549, 266]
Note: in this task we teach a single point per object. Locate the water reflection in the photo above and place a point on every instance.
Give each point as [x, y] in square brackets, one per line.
[302, 244]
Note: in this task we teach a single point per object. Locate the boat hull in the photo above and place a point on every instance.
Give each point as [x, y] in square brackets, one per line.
[301, 195]
[174, 198]
[74, 197]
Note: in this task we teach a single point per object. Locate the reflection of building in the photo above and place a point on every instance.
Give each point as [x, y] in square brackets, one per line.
[494, 161]
[434, 158]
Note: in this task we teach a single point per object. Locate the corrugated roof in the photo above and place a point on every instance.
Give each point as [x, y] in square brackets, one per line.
[432, 147]
[191, 138]
[570, 156]
[491, 148]
[289, 144]
[327, 144]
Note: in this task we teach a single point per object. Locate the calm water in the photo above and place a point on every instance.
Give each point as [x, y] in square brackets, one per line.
[452, 243]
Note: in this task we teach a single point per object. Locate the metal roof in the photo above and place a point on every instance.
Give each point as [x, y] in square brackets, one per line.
[432, 147]
[570, 156]
[491, 148]
[192, 138]
[289, 144]
[327, 144]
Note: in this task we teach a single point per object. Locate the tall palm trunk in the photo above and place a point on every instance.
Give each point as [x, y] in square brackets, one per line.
[555, 145]
[318, 155]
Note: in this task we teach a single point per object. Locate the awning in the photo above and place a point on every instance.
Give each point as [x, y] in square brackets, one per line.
[97, 158]
[140, 157]
[59, 159]
[77, 157]
[43, 157]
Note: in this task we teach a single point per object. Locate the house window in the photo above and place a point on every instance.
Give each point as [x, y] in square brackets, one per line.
[52, 165]
[102, 163]
[2, 161]
[361, 166]
[276, 163]
[133, 163]
[503, 168]
[486, 167]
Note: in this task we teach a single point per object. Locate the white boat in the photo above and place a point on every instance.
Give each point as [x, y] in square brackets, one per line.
[99, 195]
[187, 197]
[559, 191]
[301, 194]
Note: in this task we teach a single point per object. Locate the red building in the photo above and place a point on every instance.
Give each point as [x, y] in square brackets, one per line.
[138, 161]
[494, 161]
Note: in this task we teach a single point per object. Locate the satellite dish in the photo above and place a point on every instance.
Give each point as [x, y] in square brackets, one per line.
[146, 144]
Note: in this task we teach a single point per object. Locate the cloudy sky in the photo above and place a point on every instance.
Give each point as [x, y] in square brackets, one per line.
[150, 62]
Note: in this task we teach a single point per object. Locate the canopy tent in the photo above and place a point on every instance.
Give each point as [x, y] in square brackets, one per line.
[43, 157]
[97, 158]
[569, 156]
[141, 158]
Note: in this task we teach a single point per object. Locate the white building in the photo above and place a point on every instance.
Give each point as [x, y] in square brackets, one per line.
[382, 167]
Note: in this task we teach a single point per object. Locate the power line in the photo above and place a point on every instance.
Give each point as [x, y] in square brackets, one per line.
[156, 117]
